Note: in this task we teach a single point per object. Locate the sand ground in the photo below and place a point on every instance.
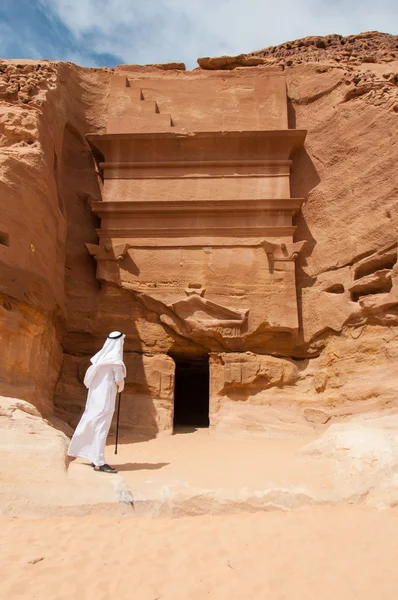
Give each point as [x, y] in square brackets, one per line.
[205, 459]
[314, 554]
[202, 472]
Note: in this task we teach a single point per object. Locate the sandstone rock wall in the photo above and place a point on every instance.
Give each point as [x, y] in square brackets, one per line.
[52, 309]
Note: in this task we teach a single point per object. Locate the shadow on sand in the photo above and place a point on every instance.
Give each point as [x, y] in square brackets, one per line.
[180, 429]
[140, 466]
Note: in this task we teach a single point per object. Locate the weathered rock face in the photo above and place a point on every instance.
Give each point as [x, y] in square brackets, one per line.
[301, 325]
[46, 178]
[355, 373]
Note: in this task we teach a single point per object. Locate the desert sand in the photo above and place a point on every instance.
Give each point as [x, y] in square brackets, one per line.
[325, 550]
[322, 554]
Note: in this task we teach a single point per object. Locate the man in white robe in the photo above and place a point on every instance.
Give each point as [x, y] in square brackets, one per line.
[104, 379]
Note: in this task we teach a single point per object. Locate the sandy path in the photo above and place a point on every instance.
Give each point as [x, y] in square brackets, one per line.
[319, 554]
[204, 459]
[226, 467]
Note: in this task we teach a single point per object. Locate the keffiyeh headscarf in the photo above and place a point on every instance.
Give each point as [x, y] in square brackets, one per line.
[110, 354]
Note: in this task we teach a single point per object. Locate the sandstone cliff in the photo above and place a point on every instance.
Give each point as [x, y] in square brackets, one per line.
[52, 311]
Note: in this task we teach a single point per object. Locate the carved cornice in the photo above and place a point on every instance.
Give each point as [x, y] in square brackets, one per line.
[188, 232]
[179, 164]
[156, 148]
[155, 207]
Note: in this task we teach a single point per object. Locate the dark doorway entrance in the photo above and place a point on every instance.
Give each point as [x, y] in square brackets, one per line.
[191, 392]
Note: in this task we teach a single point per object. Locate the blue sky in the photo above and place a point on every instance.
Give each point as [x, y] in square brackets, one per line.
[110, 32]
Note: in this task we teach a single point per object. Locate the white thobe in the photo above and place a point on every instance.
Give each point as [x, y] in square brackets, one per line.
[90, 435]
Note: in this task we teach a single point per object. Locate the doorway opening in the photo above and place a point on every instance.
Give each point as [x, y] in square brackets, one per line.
[191, 392]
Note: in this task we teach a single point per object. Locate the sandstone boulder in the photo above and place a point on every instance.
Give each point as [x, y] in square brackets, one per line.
[33, 456]
[362, 454]
[230, 62]
[37, 479]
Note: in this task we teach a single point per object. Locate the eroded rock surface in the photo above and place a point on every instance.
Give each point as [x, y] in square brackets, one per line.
[369, 47]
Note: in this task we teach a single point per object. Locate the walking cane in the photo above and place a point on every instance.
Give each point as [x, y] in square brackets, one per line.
[117, 422]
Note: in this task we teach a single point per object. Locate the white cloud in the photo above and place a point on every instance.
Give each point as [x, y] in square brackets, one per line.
[150, 31]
